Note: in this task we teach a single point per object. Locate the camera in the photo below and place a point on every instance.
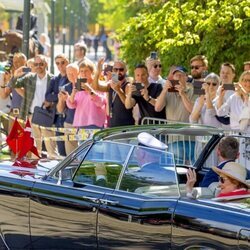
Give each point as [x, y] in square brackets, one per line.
[139, 86]
[79, 83]
[153, 55]
[174, 83]
[108, 68]
[228, 86]
[198, 88]
[26, 70]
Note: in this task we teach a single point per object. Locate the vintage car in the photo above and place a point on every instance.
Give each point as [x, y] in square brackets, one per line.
[105, 195]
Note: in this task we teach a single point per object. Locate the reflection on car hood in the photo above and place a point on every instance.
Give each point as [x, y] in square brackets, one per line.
[42, 167]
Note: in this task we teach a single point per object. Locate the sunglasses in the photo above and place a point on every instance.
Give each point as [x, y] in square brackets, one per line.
[60, 63]
[118, 69]
[157, 65]
[213, 83]
[196, 66]
[245, 80]
[222, 179]
[39, 64]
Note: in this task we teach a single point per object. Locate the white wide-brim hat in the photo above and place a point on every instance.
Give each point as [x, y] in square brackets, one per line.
[234, 171]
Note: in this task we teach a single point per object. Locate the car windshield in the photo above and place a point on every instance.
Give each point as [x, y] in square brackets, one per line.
[129, 168]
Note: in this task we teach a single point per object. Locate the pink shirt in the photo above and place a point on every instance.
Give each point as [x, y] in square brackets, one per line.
[90, 109]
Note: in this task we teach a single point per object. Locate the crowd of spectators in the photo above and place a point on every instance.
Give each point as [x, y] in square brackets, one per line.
[89, 96]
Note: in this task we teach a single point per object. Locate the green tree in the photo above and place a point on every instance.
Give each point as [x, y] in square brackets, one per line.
[178, 30]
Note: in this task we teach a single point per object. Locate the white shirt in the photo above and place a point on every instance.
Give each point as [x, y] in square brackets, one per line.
[39, 96]
[160, 80]
[207, 116]
[234, 106]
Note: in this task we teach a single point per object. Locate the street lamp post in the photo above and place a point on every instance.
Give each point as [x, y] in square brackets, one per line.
[64, 24]
[52, 35]
[26, 27]
[71, 23]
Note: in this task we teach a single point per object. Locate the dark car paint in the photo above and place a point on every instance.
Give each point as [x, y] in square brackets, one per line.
[38, 212]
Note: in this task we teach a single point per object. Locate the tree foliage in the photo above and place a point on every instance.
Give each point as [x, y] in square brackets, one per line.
[178, 30]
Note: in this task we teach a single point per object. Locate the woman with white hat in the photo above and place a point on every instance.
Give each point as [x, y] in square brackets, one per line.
[232, 181]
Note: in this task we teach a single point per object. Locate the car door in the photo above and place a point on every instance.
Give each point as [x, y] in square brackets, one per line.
[64, 213]
[138, 214]
[206, 224]
[15, 189]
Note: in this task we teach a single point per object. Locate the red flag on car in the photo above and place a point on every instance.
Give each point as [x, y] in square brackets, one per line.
[14, 139]
[27, 142]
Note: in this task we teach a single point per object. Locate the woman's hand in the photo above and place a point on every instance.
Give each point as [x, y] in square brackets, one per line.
[191, 180]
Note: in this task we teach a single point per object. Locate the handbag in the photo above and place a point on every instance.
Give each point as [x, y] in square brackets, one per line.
[44, 116]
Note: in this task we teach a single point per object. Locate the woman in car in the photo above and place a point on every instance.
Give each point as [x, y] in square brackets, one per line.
[232, 181]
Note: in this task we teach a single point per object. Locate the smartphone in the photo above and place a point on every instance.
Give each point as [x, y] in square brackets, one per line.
[174, 83]
[115, 77]
[79, 83]
[61, 88]
[26, 70]
[108, 68]
[153, 55]
[139, 86]
[198, 88]
[228, 86]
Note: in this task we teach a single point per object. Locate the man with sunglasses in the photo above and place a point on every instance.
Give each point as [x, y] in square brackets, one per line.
[199, 67]
[35, 86]
[144, 94]
[118, 114]
[57, 83]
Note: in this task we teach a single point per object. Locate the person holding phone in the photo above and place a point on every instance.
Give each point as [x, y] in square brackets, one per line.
[7, 90]
[90, 105]
[178, 104]
[35, 86]
[237, 104]
[203, 111]
[176, 100]
[144, 94]
[154, 67]
[118, 115]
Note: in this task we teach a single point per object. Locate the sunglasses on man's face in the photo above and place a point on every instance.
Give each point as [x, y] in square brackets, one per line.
[41, 64]
[157, 66]
[196, 66]
[118, 69]
[60, 63]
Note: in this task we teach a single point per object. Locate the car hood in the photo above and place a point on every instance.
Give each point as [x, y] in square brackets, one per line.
[35, 172]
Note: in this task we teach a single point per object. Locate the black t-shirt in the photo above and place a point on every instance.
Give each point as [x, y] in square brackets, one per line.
[145, 108]
[119, 115]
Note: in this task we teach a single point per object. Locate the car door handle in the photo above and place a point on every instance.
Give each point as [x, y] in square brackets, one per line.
[95, 200]
[109, 202]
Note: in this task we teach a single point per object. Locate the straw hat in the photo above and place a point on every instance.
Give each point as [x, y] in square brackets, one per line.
[234, 171]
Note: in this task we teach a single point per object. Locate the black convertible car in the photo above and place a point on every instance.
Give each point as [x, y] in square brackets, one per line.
[105, 196]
